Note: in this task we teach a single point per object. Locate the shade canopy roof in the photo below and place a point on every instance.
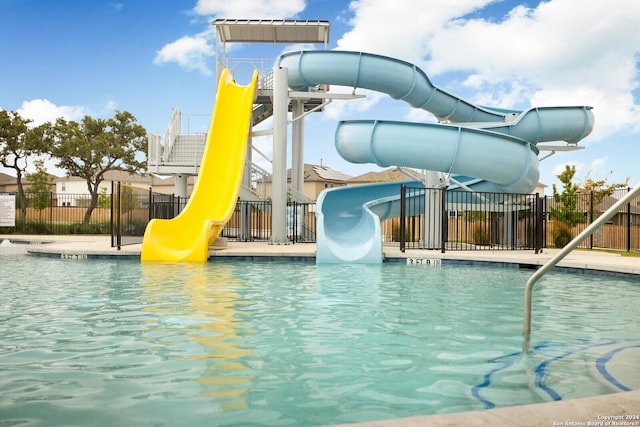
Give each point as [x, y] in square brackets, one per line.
[272, 31]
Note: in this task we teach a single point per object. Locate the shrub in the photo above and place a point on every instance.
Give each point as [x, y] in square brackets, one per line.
[481, 237]
[562, 235]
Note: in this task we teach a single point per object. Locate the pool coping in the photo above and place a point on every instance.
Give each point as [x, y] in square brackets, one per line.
[565, 412]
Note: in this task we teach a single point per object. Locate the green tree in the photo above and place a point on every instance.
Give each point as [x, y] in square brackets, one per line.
[104, 200]
[18, 143]
[565, 209]
[40, 189]
[599, 189]
[94, 146]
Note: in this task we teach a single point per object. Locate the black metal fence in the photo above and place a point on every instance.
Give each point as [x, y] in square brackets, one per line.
[454, 220]
[134, 207]
[251, 221]
[130, 207]
[60, 213]
[568, 216]
[457, 220]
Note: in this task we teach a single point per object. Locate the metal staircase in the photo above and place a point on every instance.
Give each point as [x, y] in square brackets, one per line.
[178, 153]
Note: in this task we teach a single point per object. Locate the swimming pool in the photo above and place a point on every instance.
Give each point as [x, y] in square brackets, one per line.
[101, 342]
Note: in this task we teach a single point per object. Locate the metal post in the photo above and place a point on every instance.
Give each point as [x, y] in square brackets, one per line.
[539, 223]
[602, 219]
[403, 213]
[591, 217]
[279, 175]
[297, 148]
[119, 211]
[113, 228]
[181, 185]
[445, 218]
[629, 224]
[51, 210]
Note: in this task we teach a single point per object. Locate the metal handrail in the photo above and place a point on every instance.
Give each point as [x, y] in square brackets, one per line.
[564, 252]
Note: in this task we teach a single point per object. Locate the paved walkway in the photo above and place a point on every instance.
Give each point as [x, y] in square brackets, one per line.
[620, 408]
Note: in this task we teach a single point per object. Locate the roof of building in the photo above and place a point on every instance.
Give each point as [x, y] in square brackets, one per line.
[115, 175]
[387, 175]
[322, 173]
[6, 179]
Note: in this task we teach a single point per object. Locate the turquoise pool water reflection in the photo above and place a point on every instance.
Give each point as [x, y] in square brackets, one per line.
[99, 342]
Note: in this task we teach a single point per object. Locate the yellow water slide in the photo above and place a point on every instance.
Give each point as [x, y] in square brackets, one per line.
[188, 236]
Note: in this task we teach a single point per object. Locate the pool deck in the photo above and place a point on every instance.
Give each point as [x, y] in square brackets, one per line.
[606, 410]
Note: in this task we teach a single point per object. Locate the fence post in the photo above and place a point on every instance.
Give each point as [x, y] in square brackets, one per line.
[591, 217]
[151, 205]
[445, 220]
[295, 222]
[51, 211]
[538, 225]
[113, 231]
[403, 199]
[629, 223]
[119, 214]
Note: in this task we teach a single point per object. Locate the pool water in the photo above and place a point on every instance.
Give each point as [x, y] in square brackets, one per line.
[103, 342]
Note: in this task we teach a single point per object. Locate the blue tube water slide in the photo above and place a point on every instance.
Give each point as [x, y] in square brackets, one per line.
[496, 147]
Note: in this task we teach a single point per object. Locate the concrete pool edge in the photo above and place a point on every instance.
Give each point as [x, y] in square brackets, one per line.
[608, 408]
[81, 246]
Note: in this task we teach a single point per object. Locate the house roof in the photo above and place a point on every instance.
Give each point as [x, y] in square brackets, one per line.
[386, 175]
[6, 179]
[323, 173]
[319, 173]
[115, 175]
[170, 180]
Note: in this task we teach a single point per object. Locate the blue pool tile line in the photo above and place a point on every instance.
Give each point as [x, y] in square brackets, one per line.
[475, 390]
[541, 370]
[602, 361]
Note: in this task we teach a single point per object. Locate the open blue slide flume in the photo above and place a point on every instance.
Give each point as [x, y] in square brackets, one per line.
[496, 147]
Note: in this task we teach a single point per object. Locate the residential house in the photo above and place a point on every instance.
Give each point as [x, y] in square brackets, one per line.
[387, 175]
[316, 179]
[9, 184]
[73, 191]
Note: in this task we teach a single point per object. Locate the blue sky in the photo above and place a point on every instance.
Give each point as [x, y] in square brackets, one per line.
[68, 58]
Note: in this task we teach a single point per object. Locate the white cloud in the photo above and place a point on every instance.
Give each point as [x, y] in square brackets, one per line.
[561, 52]
[255, 9]
[42, 110]
[398, 28]
[189, 52]
[598, 165]
[341, 109]
[195, 52]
